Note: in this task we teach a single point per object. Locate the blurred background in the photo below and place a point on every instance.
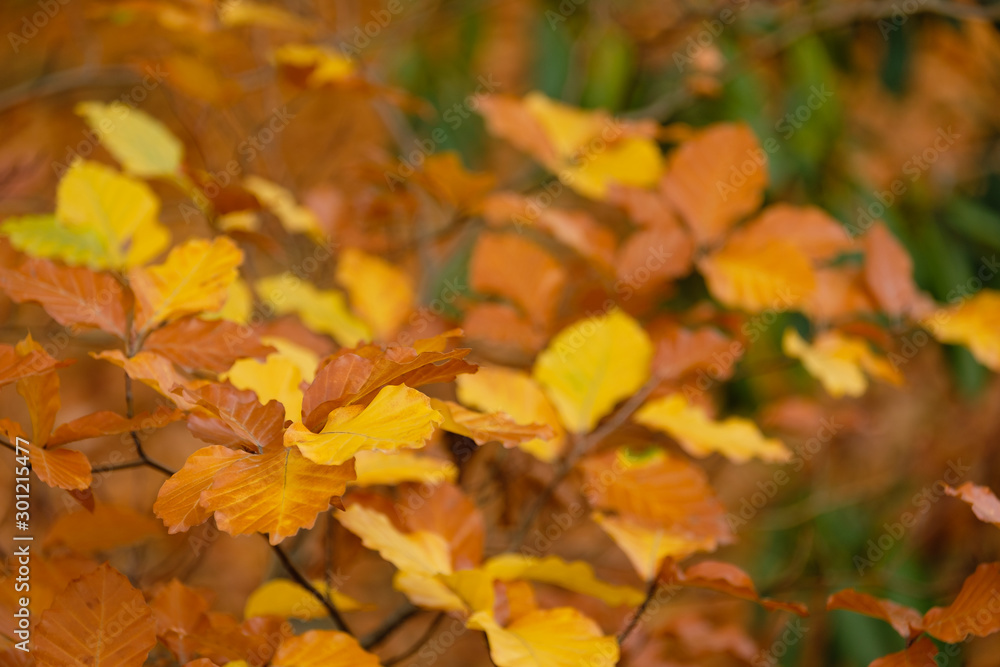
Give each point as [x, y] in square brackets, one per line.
[871, 109]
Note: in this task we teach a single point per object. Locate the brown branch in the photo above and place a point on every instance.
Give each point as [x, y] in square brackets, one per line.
[651, 589]
[302, 581]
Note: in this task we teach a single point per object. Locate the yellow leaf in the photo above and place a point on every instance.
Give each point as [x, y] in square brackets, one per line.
[375, 468]
[238, 305]
[194, 278]
[397, 418]
[322, 648]
[561, 637]
[577, 576]
[103, 220]
[514, 392]
[737, 439]
[279, 376]
[141, 144]
[646, 545]
[379, 292]
[287, 599]
[462, 591]
[420, 552]
[838, 362]
[327, 66]
[591, 365]
[974, 323]
[295, 218]
[756, 275]
[484, 427]
[323, 311]
[249, 13]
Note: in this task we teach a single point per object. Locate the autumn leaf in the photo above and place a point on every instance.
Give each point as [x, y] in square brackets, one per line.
[322, 648]
[904, 620]
[985, 505]
[295, 218]
[40, 393]
[964, 616]
[561, 637]
[921, 653]
[287, 599]
[397, 418]
[324, 65]
[647, 544]
[140, 143]
[374, 468]
[63, 468]
[577, 576]
[15, 366]
[277, 492]
[151, 369]
[839, 362]
[973, 323]
[194, 278]
[323, 311]
[419, 552]
[504, 390]
[757, 276]
[100, 619]
[729, 579]
[591, 365]
[888, 274]
[716, 178]
[220, 344]
[817, 235]
[71, 296]
[98, 424]
[116, 210]
[380, 293]
[736, 438]
[239, 418]
[107, 527]
[488, 427]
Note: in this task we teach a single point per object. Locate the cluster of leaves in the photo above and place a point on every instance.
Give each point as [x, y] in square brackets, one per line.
[343, 398]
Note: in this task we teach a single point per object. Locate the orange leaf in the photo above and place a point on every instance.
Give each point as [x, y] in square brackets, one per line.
[920, 654]
[485, 427]
[963, 617]
[678, 351]
[62, 468]
[151, 369]
[323, 648]
[707, 184]
[178, 502]
[107, 527]
[985, 505]
[14, 366]
[904, 620]
[220, 344]
[100, 619]
[98, 424]
[811, 230]
[239, 417]
[889, 275]
[513, 267]
[728, 578]
[757, 276]
[71, 296]
[40, 393]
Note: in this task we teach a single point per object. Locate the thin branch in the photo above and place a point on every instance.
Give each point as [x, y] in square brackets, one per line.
[651, 589]
[424, 638]
[301, 580]
[111, 467]
[130, 412]
[402, 614]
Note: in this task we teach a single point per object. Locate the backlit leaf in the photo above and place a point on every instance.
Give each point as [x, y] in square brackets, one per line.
[904, 620]
[140, 143]
[973, 610]
[380, 293]
[839, 362]
[98, 424]
[984, 503]
[757, 276]
[323, 311]
[99, 621]
[420, 552]
[220, 344]
[287, 599]
[593, 364]
[561, 637]
[323, 648]
[488, 427]
[921, 653]
[575, 576]
[974, 323]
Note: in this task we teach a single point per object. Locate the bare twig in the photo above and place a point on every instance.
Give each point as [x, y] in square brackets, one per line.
[302, 581]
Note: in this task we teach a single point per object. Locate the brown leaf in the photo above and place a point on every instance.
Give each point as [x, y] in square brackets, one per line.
[105, 422]
[247, 422]
[354, 376]
[107, 527]
[40, 393]
[71, 296]
[728, 578]
[985, 505]
[652, 257]
[889, 275]
[512, 267]
[920, 654]
[707, 184]
[485, 427]
[904, 620]
[811, 230]
[100, 619]
[679, 351]
[976, 610]
[219, 344]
